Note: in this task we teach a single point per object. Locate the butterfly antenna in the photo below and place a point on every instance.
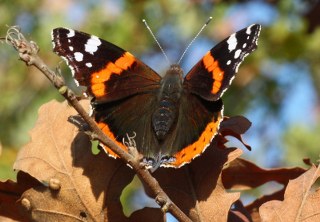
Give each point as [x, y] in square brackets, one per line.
[205, 24]
[155, 39]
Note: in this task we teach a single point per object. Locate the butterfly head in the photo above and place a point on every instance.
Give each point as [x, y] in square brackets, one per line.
[175, 70]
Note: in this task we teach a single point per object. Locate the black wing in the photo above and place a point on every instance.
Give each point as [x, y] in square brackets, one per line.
[213, 74]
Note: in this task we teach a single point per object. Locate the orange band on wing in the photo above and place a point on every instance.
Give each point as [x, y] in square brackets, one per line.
[195, 149]
[106, 130]
[99, 78]
[212, 66]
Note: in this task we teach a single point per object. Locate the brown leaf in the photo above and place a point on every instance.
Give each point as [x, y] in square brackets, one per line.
[300, 202]
[7, 219]
[242, 174]
[147, 214]
[197, 188]
[253, 208]
[307, 161]
[80, 185]
[235, 126]
[239, 213]
[10, 193]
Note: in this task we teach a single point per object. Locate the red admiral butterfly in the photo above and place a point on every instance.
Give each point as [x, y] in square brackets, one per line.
[174, 118]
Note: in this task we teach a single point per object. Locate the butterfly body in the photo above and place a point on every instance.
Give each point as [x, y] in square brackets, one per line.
[168, 103]
[173, 117]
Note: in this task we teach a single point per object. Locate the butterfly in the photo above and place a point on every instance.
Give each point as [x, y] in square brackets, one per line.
[174, 118]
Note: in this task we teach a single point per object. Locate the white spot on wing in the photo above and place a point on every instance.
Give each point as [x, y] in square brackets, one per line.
[76, 81]
[71, 33]
[89, 64]
[244, 45]
[92, 44]
[71, 48]
[248, 31]
[232, 42]
[53, 39]
[52, 36]
[78, 56]
[239, 63]
[229, 62]
[257, 35]
[237, 53]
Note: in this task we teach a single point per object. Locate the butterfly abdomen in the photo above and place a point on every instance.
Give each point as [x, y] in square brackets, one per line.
[165, 116]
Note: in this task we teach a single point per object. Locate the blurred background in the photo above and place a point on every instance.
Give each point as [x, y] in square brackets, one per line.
[277, 87]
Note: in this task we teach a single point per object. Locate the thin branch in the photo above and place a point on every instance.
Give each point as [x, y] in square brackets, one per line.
[28, 52]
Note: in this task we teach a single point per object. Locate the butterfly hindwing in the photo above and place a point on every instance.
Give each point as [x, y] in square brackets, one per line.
[197, 124]
[213, 74]
[109, 72]
[130, 117]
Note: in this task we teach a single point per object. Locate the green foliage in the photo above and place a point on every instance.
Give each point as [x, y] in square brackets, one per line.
[6, 161]
[302, 142]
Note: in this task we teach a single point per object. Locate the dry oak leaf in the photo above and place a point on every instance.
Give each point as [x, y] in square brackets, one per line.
[235, 126]
[300, 202]
[239, 213]
[242, 174]
[10, 193]
[80, 186]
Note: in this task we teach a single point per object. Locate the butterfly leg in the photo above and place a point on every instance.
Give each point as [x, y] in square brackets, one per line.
[130, 143]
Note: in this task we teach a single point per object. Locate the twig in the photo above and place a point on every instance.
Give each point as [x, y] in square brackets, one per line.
[28, 52]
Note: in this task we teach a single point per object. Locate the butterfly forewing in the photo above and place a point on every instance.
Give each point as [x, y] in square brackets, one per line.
[213, 74]
[109, 72]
